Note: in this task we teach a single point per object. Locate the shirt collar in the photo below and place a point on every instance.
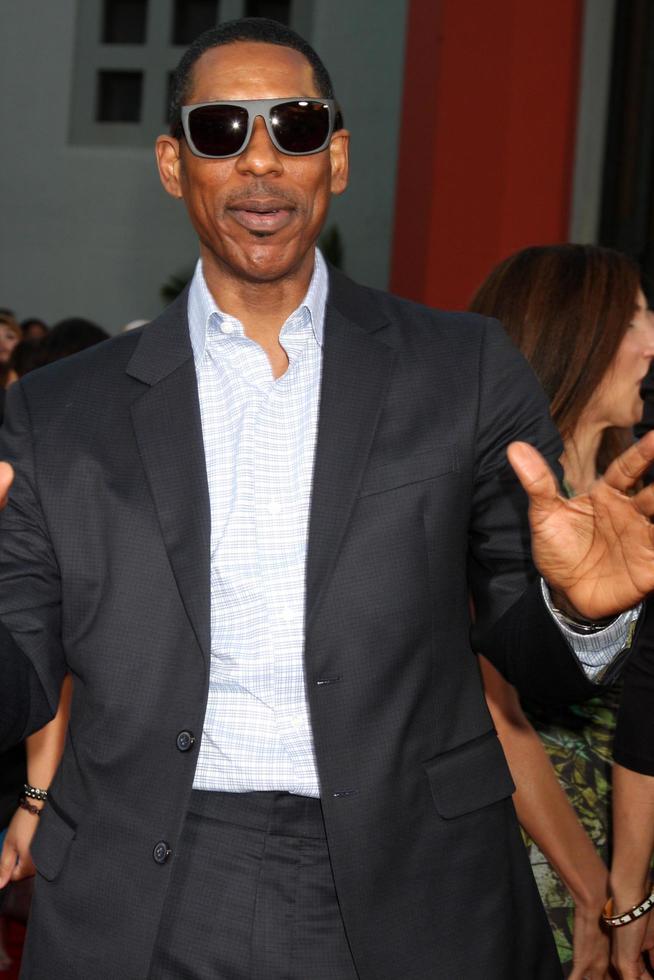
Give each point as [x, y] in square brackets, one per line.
[202, 306]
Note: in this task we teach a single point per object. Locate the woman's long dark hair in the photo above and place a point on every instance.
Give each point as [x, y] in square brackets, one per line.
[567, 308]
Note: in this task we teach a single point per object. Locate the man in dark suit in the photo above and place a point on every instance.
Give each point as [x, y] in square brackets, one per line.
[250, 532]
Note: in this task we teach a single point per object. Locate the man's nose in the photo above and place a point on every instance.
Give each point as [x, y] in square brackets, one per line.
[260, 156]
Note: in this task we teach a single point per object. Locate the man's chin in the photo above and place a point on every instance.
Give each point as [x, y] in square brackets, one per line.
[268, 261]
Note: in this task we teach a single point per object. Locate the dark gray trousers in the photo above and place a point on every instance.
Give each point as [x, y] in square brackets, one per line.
[252, 895]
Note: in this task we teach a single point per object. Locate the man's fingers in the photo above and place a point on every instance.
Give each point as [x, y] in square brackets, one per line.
[631, 464]
[6, 479]
[533, 472]
[643, 501]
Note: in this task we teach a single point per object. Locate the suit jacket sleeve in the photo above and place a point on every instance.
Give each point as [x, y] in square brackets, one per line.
[512, 627]
[32, 664]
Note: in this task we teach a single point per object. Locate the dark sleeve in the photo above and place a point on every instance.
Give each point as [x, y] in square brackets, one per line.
[12, 776]
[513, 627]
[633, 746]
[32, 663]
[23, 706]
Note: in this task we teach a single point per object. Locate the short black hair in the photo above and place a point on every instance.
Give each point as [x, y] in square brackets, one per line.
[71, 336]
[260, 29]
[26, 356]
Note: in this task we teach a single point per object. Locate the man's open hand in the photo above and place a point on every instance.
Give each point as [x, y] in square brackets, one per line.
[598, 548]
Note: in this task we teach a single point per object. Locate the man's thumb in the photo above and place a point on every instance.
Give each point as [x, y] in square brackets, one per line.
[532, 470]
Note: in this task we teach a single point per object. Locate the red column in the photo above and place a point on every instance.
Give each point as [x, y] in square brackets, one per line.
[487, 139]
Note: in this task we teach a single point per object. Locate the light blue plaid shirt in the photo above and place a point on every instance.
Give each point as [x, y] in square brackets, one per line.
[259, 441]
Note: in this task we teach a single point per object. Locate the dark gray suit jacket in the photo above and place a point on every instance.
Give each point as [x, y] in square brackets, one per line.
[104, 571]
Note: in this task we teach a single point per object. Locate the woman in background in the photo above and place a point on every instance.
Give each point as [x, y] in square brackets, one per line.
[633, 785]
[579, 316]
[10, 335]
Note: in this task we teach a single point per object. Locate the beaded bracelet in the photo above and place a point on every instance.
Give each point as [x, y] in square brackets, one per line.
[24, 804]
[615, 921]
[34, 792]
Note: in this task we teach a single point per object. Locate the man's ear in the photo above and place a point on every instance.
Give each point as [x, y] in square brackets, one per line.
[169, 163]
[339, 155]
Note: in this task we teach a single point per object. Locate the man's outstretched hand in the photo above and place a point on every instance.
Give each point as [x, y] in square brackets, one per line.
[597, 548]
[6, 479]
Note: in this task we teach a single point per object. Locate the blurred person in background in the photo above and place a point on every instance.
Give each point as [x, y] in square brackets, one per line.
[580, 317]
[26, 356]
[33, 328]
[10, 335]
[70, 336]
[633, 816]
[633, 779]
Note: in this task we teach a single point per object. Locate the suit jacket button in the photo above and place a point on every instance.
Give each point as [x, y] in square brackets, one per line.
[161, 852]
[185, 741]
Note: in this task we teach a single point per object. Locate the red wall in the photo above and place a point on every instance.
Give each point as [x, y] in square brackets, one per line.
[487, 139]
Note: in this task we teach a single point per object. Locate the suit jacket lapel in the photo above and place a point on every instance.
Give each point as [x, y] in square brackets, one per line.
[166, 420]
[356, 372]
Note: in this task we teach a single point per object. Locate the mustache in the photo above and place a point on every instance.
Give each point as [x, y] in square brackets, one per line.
[265, 191]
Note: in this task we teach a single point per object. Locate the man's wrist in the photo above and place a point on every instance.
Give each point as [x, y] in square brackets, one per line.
[572, 618]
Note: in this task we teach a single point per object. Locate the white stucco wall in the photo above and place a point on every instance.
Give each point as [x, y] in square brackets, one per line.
[88, 231]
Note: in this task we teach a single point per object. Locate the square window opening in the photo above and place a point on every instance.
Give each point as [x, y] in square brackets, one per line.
[124, 21]
[274, 9]
[192, 17]
[119, 96]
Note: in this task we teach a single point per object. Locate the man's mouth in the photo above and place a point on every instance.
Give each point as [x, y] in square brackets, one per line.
[262, 216]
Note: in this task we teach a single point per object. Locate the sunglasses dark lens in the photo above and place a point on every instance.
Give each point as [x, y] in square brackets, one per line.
[300, 127]
[218, 130]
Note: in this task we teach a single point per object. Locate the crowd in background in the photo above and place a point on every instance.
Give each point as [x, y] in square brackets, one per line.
[30, 343]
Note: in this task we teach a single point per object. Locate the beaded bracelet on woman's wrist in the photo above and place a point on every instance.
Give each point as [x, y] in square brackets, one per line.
[34, 792]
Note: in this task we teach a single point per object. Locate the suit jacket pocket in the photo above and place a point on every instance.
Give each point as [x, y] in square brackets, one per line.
[51, 842]
[471, 776]
[410, 469]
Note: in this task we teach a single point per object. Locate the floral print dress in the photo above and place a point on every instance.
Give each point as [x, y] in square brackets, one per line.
[578, 740]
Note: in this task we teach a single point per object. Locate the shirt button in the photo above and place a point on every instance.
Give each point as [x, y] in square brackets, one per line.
[274, 507]
[287, 615]
[227, 327]
[185, 741]
[161, 852]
